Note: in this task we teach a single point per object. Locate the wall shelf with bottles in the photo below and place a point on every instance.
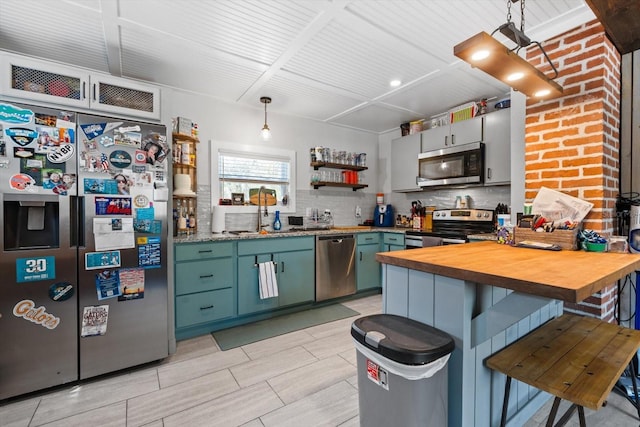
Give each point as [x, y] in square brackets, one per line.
[355, 187]
[185, 201]
[318, 165]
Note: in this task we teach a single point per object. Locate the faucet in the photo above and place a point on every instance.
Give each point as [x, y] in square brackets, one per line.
[266, 213]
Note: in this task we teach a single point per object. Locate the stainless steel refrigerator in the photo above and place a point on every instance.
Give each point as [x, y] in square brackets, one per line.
[83, 256]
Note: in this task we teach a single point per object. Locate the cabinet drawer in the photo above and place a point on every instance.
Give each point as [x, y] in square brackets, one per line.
[196, 251]
[207, 275]
[273, 245]
[393, 239]
[368, 238]
[204, 307]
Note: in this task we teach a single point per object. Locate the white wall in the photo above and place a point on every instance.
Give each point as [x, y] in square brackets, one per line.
[220, 121]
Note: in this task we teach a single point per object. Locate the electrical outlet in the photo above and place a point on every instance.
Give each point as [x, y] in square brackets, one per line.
[358, 212]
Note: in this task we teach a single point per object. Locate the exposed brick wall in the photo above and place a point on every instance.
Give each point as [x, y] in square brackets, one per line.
[572, 142]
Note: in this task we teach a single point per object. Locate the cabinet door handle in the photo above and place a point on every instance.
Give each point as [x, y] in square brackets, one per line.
[446, 140]
[282, 271]
[368, 238]
[488, 173]
[393, 239]
[360, 255]
[84, 90]
[208, 307]
[206, 276]
[205, 252]
[94, 91]
[453, 139]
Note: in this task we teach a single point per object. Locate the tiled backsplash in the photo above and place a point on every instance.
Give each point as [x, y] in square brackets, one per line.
[343, 204]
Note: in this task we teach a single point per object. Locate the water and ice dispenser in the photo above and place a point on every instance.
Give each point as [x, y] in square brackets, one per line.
[31, 222]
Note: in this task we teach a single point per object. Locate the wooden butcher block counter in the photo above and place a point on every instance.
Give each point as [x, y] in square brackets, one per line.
[570, 276]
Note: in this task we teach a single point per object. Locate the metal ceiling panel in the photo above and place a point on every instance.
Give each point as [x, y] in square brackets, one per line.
[54, 30]
[375, 118]
[191, 68]
[447, 90]
[349, 58]
[307, 100]
[257, 30]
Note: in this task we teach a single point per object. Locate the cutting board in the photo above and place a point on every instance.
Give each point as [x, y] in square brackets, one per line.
[268, 197]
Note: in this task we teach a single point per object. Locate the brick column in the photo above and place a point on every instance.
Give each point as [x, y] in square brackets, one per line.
[572, 143]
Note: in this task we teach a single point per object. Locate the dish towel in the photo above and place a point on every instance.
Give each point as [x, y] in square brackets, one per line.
[267, 280]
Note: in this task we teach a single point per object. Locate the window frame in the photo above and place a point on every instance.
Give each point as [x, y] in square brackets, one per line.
[245, 149]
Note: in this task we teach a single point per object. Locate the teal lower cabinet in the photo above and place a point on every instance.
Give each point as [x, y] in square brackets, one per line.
[205, 286]
[392, 242]
[294, 260]
[368, 274]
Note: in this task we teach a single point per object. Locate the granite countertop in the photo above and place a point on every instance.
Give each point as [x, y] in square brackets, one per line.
[571, 276]
[217, 237]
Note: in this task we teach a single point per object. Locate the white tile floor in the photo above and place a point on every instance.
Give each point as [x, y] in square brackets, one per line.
[304, 378]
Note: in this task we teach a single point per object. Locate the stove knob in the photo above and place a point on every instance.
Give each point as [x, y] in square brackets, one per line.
[437, 214]
[486, 214]
[479, 214]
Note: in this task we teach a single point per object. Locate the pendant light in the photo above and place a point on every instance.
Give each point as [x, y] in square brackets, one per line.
[266, 132]
[483, 51]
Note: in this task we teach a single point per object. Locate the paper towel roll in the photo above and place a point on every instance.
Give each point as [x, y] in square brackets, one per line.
[217, 219]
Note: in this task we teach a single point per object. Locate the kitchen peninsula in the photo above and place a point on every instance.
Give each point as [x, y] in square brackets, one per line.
[486, 296]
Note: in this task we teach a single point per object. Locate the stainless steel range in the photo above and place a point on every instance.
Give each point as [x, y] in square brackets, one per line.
[452, 226]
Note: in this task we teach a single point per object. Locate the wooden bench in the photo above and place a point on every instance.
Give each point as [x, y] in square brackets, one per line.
[575, 358]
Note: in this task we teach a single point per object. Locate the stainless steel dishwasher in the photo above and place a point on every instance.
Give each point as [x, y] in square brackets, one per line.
[335, 266]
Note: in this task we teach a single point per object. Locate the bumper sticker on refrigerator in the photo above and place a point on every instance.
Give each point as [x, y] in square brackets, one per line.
[97, 260]
[35, 269]
[149, 252]
[22, 136]
[94, 320]
[61, 291]
[113, 205]
[131, 284]
[107, 284]
[12, 114]
[28, 311]
[22, 182]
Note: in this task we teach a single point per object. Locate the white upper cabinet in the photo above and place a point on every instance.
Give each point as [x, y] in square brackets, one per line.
[41, 81]
[497, 147]
[404, 163]
[463, 132]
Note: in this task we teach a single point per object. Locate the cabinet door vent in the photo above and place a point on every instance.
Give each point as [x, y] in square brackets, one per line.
[125, 97]
[31, 80]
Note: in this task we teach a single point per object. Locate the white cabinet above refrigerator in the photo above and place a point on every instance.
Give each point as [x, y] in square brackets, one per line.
[41, 81]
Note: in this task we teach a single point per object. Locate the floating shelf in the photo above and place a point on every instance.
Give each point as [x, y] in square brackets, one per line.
[317, 165]
[355, 187]
[184, 137]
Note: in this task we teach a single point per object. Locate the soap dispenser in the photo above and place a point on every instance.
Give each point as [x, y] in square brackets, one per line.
[277, 225]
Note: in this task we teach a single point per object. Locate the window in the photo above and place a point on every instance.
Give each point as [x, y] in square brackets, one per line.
[244, 169]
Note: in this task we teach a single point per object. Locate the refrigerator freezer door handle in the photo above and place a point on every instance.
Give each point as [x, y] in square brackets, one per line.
[77, 221]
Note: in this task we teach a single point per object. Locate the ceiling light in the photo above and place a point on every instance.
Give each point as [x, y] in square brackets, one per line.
[266, 132]
[489, 55]
[395, 83]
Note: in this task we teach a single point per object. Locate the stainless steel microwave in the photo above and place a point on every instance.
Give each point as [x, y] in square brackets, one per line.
[457, 165]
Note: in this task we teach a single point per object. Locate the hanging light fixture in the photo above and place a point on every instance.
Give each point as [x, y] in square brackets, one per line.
[488, 54]
[266, 132]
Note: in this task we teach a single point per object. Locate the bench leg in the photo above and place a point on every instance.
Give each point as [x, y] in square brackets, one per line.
[635, 386]
[505, 402]
[554, 412]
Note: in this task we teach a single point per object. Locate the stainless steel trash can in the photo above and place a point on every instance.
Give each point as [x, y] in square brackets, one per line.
[402, 371]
